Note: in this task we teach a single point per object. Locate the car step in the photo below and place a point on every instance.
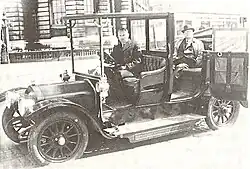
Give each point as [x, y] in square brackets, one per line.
[140, 131]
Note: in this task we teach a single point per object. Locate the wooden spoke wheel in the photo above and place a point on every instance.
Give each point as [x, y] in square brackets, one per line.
[221, 113]
[58, 138]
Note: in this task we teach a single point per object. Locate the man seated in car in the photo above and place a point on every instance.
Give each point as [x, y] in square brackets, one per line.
[188, 51]
[127, 57]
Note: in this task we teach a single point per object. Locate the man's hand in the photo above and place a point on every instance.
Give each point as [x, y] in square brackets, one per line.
[175, 57]
[199, 61]
[129, 65]
[179, 68]
[182, 66]
[122, 67]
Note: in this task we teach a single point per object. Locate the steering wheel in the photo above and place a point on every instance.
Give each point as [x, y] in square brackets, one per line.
[108, 58]
[110, 62]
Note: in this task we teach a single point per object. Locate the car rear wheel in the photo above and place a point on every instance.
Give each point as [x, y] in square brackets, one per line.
[221, 113]
[61, 137]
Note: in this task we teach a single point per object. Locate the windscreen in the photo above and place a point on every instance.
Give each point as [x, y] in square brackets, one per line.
[86, 44]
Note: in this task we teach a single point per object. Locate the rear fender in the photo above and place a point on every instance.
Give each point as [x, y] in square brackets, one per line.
[244, 103]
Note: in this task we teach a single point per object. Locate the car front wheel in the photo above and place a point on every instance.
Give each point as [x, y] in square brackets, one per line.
[14, 125]
[221, 113]
[58, 138]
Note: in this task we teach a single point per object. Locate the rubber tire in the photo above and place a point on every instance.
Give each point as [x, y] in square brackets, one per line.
[209, 120]
[7, 116]
[33, 136]
[10, 132]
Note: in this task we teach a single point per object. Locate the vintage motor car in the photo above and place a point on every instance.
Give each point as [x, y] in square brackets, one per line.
[56, 120]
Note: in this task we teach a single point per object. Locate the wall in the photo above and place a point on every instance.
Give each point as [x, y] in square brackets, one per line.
[44, 29]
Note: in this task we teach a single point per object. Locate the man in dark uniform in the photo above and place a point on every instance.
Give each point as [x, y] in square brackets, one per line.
[127, 57]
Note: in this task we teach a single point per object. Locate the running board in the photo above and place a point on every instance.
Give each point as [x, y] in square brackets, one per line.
[140, 131]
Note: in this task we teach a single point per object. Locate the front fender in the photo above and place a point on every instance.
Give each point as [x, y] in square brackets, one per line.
[45, 105]
[45, 108]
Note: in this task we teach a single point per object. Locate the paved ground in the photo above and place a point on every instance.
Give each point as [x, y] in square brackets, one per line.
[228, 148]
[23, 74]
[199, 149]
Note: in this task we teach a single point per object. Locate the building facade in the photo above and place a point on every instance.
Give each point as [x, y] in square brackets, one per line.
[41, 20]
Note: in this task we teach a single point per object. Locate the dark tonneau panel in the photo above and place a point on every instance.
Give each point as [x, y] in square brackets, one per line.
[229, 75]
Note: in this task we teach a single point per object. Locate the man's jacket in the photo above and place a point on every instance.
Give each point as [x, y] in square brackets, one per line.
[194, 51]
[128, 55]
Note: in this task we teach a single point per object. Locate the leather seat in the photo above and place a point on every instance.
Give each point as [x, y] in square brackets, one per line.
[152, 74]
[151, 63]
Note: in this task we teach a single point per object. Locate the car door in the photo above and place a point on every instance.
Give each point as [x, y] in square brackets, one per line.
[229, 75]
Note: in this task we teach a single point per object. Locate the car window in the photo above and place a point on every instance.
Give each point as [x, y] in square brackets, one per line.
[138, 33]
[157, 34]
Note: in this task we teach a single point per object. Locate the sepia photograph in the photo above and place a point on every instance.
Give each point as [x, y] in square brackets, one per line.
[124, 84]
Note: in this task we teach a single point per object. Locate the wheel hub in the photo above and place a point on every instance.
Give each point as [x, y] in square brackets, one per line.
[224, 109]
[221, 113]
[61, 140]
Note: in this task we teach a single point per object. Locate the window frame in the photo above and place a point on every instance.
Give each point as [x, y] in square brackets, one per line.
[57, 29]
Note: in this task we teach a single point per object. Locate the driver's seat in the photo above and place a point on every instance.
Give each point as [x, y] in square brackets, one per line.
[148, 87]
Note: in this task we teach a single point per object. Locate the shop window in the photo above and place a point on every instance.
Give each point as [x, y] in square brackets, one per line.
[204, 25]
[231, 24]
[179, 26]
[188, 22]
